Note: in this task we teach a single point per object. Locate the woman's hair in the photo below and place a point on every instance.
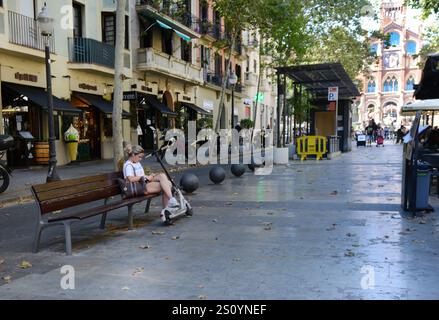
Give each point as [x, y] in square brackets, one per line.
[133, 150]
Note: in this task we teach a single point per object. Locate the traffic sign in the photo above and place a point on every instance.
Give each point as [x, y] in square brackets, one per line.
[332, 93]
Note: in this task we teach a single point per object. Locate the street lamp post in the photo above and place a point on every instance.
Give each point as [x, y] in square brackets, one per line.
[233, 80]
[45, 24]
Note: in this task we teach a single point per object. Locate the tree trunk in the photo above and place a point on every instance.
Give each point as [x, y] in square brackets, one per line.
[223, 89]
[259, 82]
[118, 84]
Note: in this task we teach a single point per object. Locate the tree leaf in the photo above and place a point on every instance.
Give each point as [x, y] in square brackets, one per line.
[25, 265]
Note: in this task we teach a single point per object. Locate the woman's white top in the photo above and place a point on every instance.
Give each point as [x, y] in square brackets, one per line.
[131, 169]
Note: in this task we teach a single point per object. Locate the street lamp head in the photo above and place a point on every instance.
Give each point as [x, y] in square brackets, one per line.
[233, 79]
[45, 22]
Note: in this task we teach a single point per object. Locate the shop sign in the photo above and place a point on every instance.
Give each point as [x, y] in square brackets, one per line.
[130, 96]
[86, 86]
[26, 77]
[186, 98]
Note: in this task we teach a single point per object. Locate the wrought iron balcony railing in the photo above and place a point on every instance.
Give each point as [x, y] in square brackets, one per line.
[84, 50]
[24, 31]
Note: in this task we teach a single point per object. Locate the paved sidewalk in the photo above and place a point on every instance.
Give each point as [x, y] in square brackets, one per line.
[312, 230]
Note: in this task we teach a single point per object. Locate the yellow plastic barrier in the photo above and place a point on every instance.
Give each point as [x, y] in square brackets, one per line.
[311, 146]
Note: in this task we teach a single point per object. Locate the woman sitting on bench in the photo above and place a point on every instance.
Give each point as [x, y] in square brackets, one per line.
[133, 171]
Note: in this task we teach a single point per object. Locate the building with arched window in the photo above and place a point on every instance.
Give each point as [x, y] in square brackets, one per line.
[390, 84]
[371, 87]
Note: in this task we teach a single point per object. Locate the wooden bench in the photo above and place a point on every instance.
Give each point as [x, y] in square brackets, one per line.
[56, 196]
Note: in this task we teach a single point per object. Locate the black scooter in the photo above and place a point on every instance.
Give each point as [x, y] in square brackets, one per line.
[6, 143]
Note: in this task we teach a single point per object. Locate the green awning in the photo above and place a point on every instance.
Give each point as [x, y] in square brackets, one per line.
[180, 34]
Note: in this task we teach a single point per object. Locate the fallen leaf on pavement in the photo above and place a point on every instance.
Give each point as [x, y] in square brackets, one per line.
[236, 259]
[2, 261]
[418, 241]
[7, 279]
[334, 193]
[350, 235]
[270, 213]
[229, 204]
[144, 247]
[214, 221]
[267, 228]
[158, 233]
[175, 238]
[422, 222]
[349, 254]
[138, 271]
[25, 265]
[125, 288]
[201, 297]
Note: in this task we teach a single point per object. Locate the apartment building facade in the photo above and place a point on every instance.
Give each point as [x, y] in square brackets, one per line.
[390, 84]
[172, 71]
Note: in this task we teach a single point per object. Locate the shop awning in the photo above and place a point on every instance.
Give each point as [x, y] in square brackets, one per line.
[39, 97]
[152, 101]
[186, 28]
[196, 108]
[97, 101]
[421, 105]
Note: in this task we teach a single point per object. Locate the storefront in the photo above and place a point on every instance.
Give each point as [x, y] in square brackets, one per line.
[25, 113]
[94, 124]
[152, 112]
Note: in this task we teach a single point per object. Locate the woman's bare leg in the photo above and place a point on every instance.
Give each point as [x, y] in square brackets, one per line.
[166, 187]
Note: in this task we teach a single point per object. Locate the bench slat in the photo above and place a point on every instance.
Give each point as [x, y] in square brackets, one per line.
[74, 190]
[74, 182]
[78, 199]
[102, 209]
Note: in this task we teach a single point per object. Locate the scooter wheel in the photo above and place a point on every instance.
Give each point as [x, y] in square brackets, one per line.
[168, 221]
[4, 180]
[189, 212]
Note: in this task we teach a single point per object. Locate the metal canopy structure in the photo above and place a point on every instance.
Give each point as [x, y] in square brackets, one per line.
[318, 78]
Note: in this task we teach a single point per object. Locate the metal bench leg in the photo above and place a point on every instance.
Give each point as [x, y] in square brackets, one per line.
[130, 217]
[103, 220]
[68, 235]
[104, 216]
[37, 238]
[148, 205]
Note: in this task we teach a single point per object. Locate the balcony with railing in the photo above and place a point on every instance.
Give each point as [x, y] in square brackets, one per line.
[171, 10]
[159, 62]
[24, 31]
[90, 51]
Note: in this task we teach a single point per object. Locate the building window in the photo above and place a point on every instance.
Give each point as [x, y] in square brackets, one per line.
[391, 84]
[411, 48]
[167, 42]
[374, 48]
[109, 29]
[371, 86]
[395, 39]
[186, 51]
[410, 84]
[77, 20]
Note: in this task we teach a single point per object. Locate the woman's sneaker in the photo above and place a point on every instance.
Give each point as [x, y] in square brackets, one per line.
[173, 203]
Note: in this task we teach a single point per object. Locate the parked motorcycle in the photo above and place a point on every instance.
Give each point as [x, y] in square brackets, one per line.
[6, 143]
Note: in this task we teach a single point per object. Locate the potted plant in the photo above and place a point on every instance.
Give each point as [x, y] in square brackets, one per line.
[71, 137]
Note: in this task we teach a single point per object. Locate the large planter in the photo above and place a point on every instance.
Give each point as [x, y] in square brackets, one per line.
[281, 156]
[72, 148]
